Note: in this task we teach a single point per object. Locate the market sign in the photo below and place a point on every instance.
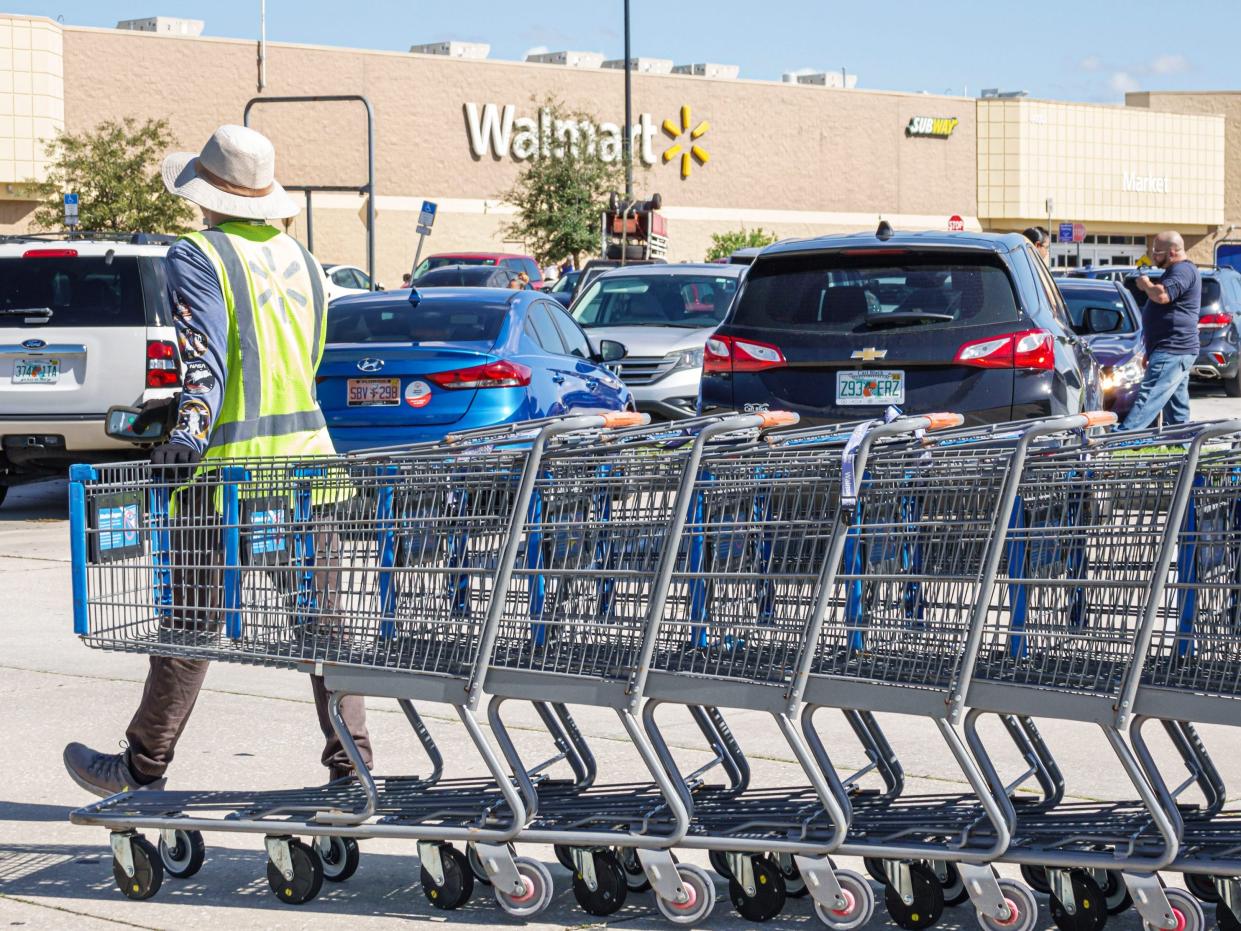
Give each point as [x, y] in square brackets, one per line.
[935, 127]
[1131, 181]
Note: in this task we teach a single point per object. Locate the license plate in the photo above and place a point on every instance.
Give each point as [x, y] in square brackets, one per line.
[36, 371]
[372, 392]
[870, 387]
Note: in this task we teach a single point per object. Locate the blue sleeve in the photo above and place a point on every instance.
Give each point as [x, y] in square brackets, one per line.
[1177, 280]
[201, 318]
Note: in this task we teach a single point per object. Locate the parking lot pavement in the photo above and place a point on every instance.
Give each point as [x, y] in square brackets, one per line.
[255, 728]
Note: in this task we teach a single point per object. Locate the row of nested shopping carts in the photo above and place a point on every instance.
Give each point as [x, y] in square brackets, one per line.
[716, 567]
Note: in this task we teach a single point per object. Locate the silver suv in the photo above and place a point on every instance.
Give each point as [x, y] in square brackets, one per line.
[84, 325]
[663, 314]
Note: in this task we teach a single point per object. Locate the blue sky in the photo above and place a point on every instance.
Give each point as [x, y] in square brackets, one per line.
[1083, 50]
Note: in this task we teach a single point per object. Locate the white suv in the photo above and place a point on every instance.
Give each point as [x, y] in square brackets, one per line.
[84, 324]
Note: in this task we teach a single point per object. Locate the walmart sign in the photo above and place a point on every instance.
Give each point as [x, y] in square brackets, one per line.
[501, 131]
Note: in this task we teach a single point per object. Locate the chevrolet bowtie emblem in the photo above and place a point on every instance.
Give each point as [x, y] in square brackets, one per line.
[869, 354]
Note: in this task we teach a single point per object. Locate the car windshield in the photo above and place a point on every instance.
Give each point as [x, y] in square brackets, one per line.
[687, 301]
[402, 322]
[1079, 299]
[439, 261]
[72, 292]
[842, 293]
[1211, 292]
[456, 276]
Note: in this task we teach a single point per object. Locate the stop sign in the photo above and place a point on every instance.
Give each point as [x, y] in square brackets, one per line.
[956, 224]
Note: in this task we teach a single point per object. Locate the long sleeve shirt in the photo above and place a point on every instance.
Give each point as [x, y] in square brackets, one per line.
[201, 320]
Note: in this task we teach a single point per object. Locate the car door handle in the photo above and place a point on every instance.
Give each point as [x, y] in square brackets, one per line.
[592, 385]
[558, 379]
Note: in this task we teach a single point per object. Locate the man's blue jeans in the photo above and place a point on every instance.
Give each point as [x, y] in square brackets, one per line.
[1165, 387]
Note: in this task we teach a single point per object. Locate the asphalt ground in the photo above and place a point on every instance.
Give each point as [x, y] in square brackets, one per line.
[254, 728]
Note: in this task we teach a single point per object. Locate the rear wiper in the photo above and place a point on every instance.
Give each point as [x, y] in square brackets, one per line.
[913, 316]
[25, 311]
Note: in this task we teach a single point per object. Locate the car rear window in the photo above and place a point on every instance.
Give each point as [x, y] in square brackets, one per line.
[405, 323]
[439, 261]
[863, 293]
[688, 301]
[74, 292]
[1211, 291]
[457, 276]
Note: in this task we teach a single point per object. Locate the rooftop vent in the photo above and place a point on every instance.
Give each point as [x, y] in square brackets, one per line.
[568, 59]
[168, 25]
[642, 65]
[994, 93]
[708, 70]
[453, 49]
[837, 79]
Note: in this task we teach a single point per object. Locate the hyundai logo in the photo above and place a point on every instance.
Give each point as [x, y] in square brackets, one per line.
[370, 365]
[33, 344]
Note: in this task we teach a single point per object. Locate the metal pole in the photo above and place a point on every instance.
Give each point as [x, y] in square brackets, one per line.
[310, 226]
[263, 46]
[628, 112]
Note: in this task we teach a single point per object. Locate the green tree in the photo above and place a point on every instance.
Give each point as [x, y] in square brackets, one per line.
[559, 198]
[725, 244]
[114, 169]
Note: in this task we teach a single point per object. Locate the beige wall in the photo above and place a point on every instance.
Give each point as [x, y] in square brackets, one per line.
[31, 97]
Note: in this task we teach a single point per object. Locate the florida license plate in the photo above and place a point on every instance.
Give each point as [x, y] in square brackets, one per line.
[870, 387]
[372, 392]
[36, 371]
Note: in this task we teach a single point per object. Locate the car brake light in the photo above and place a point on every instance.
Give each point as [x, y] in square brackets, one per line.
[499, 374]
[50, 254]
[1029, 349]
[1211, 321]
[162, 364]
[730, 354]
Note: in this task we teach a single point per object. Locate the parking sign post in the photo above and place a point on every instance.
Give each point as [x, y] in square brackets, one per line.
[71, 211]
[426, 219]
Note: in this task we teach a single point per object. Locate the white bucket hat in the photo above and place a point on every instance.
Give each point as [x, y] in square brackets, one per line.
[234, 175]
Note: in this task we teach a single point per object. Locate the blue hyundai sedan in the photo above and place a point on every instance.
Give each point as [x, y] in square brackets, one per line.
[408, 366]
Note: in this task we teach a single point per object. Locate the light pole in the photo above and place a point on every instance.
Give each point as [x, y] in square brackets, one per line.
[628, 113]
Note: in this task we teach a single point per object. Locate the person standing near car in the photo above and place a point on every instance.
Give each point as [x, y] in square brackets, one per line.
[1170, 331]
[1042, 242]
[249, 308]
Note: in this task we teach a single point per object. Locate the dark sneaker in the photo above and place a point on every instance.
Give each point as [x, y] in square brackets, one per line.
[103, 774]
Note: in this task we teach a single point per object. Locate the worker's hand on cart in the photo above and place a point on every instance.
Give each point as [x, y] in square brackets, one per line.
[175, 462]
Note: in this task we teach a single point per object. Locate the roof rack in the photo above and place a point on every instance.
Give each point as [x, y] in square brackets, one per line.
[134, 239]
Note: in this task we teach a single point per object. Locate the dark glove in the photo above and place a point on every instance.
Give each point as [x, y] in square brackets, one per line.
[175, 454]
[161, 410]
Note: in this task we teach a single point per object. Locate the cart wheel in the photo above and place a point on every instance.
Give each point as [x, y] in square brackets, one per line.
[928, 900]
[1185, 909]
[635, 876]
[1202, 886]
[768, 896]
[1116, 898]
[340, 859]
[953, 885]
[307, 876]
[1036, 876]
[1224, 917]
[794, 886]
[476, 863]
[719, 863]
[538, 890]
[700, 901]
[148, 871]
[859, 907]
[610, 888]
[1022, 909]
[1091, 913]
[874, 866]
[458, 883]
[184, 858]
[564, 857]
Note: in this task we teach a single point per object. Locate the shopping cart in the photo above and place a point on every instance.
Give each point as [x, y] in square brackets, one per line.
[381, 565]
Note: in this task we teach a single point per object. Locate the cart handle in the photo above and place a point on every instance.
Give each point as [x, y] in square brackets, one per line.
[769, 420]
[615, 419]
[1100, 418]
[943, 420]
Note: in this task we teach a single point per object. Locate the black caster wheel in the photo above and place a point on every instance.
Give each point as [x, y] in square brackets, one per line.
[1036, 878]
[610, 886]
[148, 870]
[1226, 920]
[185, 857]
[1203, 887]
[564, 857]
[1091, 913]
[953, 885]
[794, 886]
[769, 894]
[928, 900]
[635, 876]
[874, 866]
[307, 876]
[719, 863]
[339, 856]
[1116, 898]
[458, 883]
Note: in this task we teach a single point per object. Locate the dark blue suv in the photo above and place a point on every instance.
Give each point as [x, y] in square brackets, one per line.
[839, 327]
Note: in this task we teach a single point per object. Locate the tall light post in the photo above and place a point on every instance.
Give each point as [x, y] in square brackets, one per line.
[628, 112]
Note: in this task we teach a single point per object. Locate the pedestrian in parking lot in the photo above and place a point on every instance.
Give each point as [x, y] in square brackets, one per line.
[250, 306]
[1042, 242]
[407, 280]
[1170, 331]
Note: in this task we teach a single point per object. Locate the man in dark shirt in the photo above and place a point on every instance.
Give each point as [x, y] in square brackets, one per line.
[1170, 331]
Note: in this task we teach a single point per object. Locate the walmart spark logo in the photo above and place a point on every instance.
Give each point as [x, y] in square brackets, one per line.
[690, 151]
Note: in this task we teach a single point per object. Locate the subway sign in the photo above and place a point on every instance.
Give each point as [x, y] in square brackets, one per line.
[935, 127]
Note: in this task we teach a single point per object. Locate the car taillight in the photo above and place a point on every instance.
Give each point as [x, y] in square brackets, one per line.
[50, 254]
[1029, 349]
[730, 354]
[162, 364]
[500, 374]
[1213, 321]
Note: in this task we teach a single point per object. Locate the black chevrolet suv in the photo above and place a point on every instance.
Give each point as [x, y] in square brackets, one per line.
[839, 327]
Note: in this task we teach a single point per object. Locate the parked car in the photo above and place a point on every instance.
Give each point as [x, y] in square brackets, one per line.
[347, 279]
[596, 267]
[510, 260]
[84, 325]
[1119, 350]
[1219, 326]
[466, 276]
[404, 367]
[839, 327]
[663, 314]
[564, 288]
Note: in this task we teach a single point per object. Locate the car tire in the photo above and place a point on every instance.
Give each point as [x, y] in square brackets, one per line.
[1232, 386]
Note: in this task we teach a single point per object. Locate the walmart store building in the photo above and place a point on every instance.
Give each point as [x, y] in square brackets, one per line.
[795, 159]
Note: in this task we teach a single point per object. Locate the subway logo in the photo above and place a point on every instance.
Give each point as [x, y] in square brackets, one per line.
[938, 126]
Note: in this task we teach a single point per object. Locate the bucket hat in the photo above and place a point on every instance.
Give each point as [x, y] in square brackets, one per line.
[233, 175]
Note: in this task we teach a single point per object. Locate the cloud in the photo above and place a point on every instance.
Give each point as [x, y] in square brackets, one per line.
[1122, 82]
[1169, 64]
[1090, 63]
[535, 50]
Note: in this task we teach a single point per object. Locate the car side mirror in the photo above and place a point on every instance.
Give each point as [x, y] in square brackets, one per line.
[1102, 319]
[119, 424]
[611, 351]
